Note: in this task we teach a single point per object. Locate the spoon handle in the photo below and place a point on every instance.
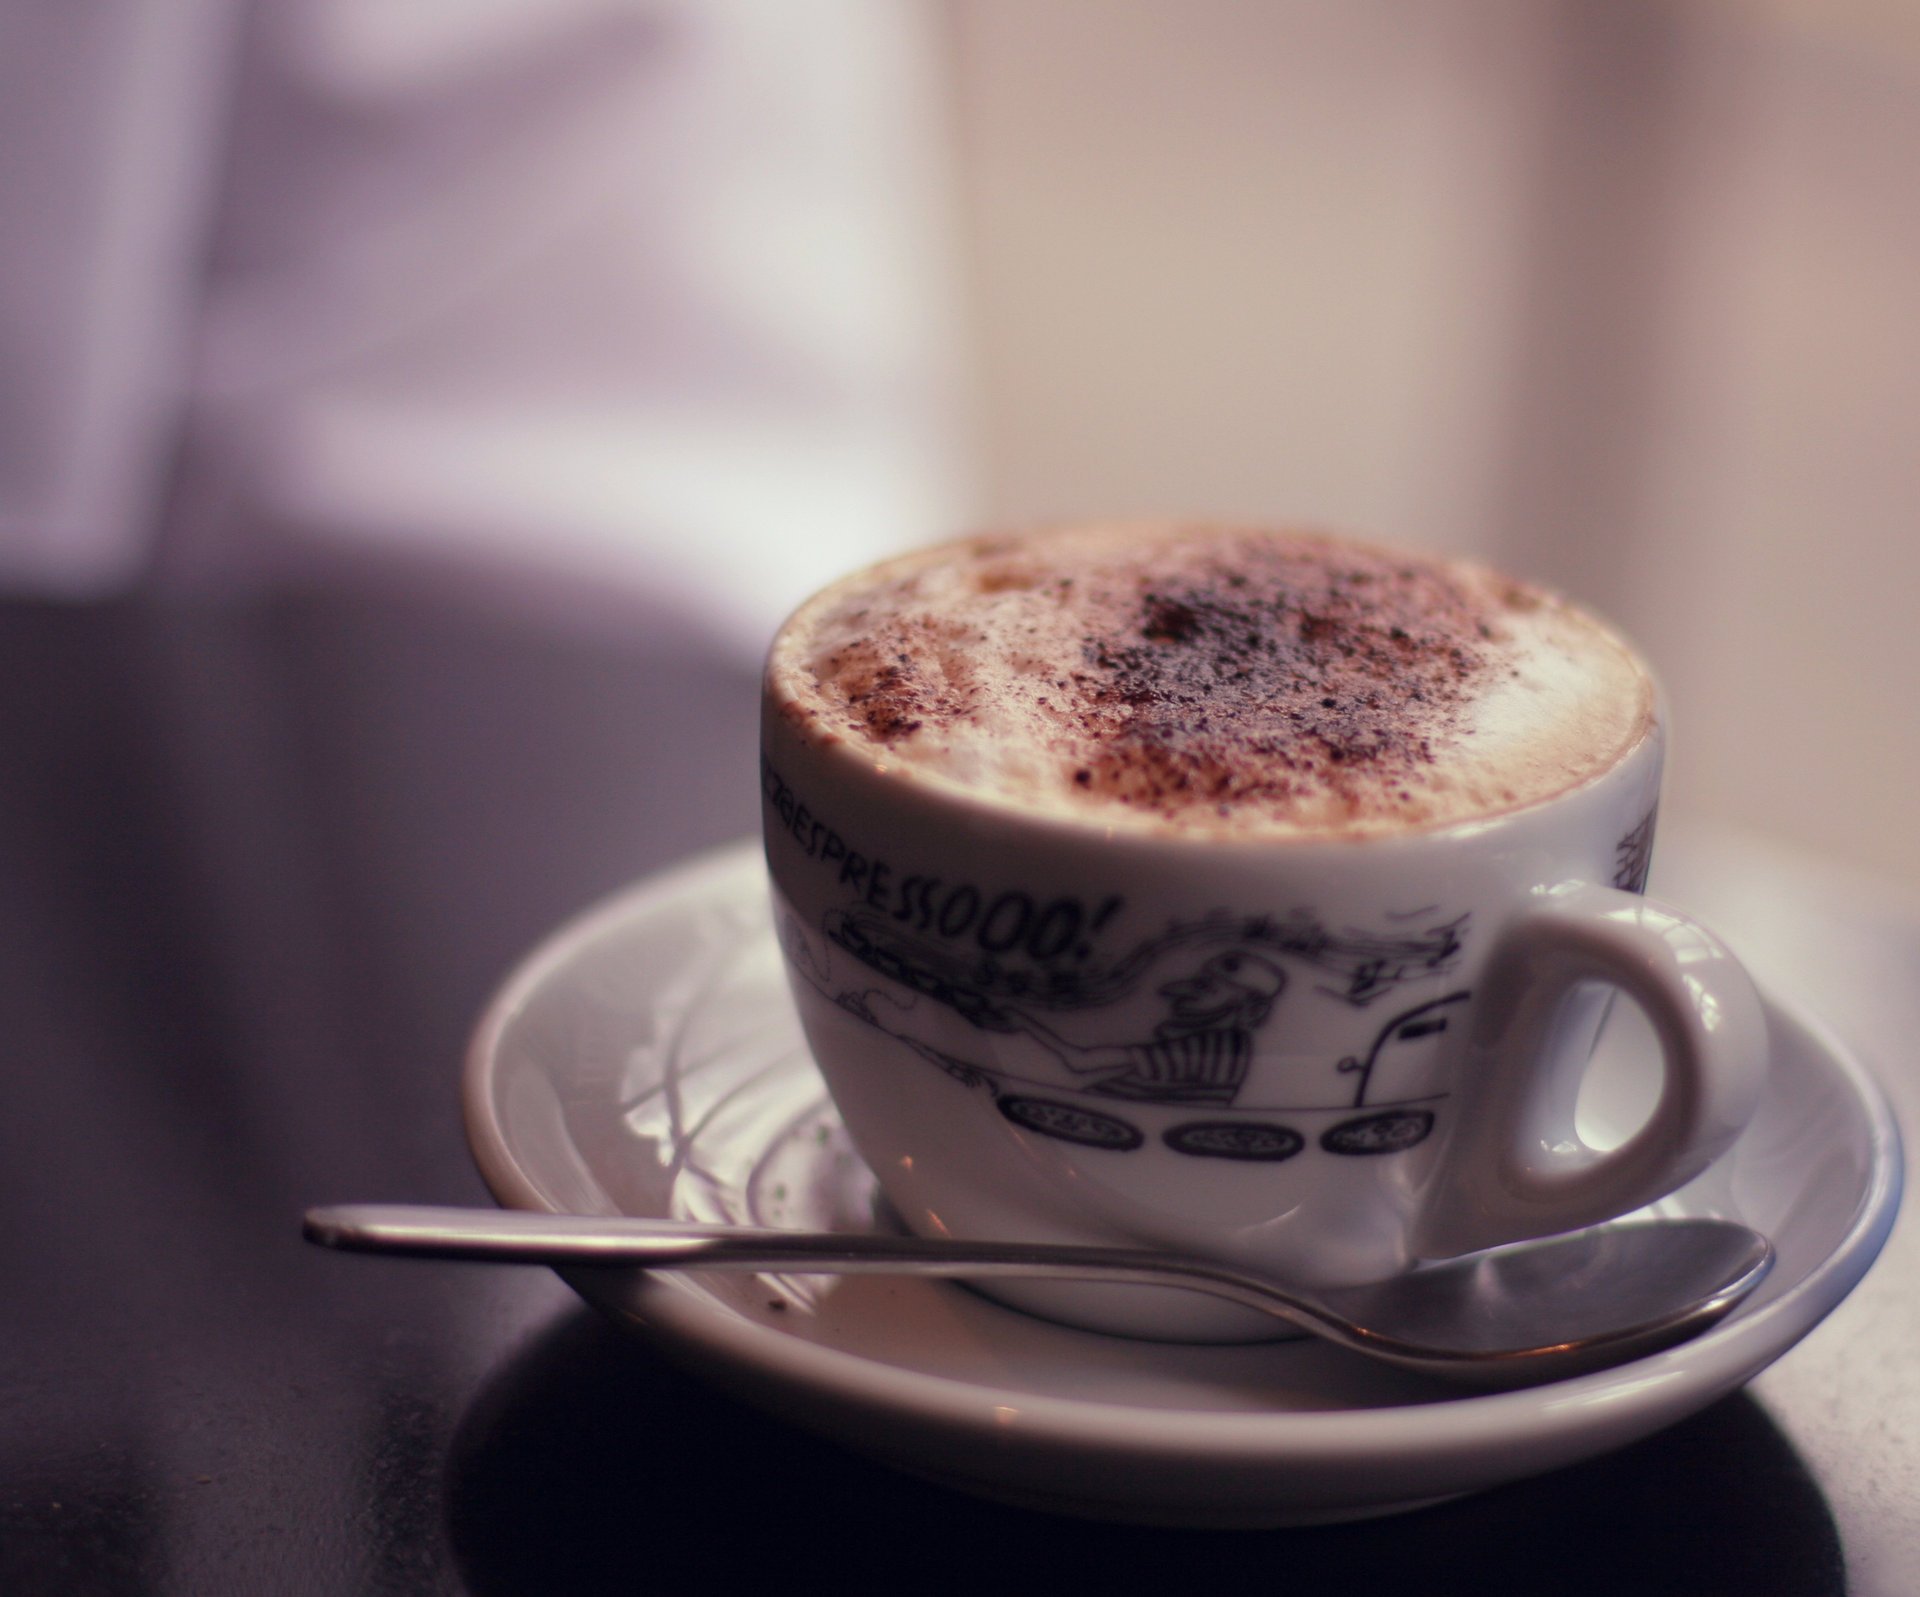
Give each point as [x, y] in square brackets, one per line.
[1514, 1315]
[518, 1237]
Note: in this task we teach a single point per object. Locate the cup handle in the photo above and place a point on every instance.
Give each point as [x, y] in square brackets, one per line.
[1515, 1167]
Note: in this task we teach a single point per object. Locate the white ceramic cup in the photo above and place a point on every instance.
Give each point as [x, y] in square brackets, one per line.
[1321, 1058]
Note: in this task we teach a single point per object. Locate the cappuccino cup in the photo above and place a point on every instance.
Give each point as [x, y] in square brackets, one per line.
[1246, 893]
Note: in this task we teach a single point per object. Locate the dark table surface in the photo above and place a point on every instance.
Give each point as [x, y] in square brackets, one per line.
[260, 864]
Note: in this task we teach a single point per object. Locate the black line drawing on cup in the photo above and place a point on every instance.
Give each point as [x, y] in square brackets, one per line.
[1070, 1122]
[1198, 1054]
[1365, 966]
[1385, 1131]
[1217, 989]
[1633, 854]
[1253, 1141]
[1426, 1020]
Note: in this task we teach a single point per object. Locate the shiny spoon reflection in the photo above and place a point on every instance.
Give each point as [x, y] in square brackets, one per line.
[1534, 1311]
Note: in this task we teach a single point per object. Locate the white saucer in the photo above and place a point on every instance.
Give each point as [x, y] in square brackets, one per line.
[646, 1061]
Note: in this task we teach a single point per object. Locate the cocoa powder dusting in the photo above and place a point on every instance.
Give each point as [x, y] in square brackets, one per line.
[1244, 671]
[1283, 674]
[896, 680]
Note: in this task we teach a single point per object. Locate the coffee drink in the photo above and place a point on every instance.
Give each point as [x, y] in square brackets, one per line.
[1215, 679]
[1250, 894]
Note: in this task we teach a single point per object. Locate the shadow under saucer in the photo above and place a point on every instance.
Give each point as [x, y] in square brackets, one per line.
[591, 1466]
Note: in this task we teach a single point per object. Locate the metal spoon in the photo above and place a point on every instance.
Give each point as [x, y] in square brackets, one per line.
[1534, 1311]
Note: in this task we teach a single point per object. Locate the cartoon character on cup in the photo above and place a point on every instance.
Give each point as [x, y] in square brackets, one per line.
[1199, 1054]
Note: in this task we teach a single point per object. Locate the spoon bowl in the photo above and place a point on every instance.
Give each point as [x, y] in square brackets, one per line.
[1512, 1316]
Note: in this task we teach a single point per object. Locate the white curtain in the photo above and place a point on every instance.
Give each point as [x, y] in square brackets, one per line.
[654, 293]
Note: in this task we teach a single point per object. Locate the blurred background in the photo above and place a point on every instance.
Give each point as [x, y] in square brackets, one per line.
[415, 415]
[1617, 293]
[632, 320]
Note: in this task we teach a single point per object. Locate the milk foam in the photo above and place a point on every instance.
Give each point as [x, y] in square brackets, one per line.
[1219, 679]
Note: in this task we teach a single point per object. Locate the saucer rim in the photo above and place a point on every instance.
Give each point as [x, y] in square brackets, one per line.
[1624, 1402]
